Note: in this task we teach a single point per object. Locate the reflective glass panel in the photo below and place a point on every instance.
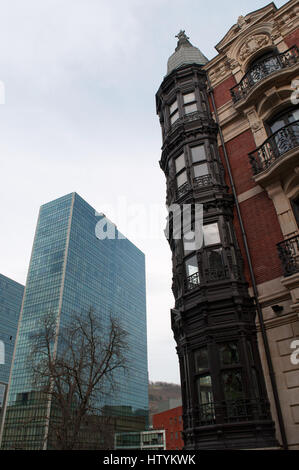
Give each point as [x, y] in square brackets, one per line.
[211, 234]
[229, 354]
[191, 266]
[181, 179]
[201, 360]
[189, 97]
[190, 108]
[173, 107]
[201, 170]
[179, 163]
[198, 153]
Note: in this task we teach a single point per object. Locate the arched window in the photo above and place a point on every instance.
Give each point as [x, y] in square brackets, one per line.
[2, 352]
[263, 65]
[283, 119]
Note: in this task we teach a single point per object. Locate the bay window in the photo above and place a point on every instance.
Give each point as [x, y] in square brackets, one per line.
[189, 103]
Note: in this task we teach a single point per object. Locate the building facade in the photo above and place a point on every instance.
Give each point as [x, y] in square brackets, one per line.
[73, 269]
[253, 98]
[171, 421]
[11, 295]
[224, 397]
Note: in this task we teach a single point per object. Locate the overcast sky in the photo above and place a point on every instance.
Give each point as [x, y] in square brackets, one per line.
[79, 115]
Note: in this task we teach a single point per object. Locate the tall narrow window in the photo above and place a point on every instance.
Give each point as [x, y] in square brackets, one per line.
[205, 398]
[204, 385]
[173, 112]
[199, 160]
[189, 103]
[198, 153]
[192, 273]
[189, 242]
[232, 385]
[201, 360]
[180, 169]
[211, 234]
[229, 354]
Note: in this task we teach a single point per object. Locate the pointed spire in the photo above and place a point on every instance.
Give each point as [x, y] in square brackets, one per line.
[185, 53]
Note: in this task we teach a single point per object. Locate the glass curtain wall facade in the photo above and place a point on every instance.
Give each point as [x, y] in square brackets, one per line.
[71, 271]
[11, 295]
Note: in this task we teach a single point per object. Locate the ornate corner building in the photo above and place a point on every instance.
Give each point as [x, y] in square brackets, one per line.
[230, 130]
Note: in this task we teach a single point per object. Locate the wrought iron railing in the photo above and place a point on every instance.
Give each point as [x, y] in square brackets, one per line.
[192, 281]
[288, 252]
[283, 140]
[245, 410]
[230, 411]
[182, 190]
[202, 181]
[262, 69]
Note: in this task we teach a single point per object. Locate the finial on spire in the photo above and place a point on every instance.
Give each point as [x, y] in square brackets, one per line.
[182, 35]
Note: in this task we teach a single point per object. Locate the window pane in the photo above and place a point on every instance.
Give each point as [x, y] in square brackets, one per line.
[229, 354]
[181, 179]
[198, 153]
[201, 360]
[205, 398]
[190, 108]
[173, 107]
[204, 387]
[189, 242]
[201, 170]
[174, 117]
[277, 125]
[232, 385]
[189, 97]
[294, 115]
[211, 234]
[191, 266]
[215, 261]
[180, 163]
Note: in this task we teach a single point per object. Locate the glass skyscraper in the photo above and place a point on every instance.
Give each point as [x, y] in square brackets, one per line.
[11, 295]
[72, 270]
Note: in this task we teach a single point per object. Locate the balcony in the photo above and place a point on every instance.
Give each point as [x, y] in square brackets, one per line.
[230, 411]
[262, 69]
[192, 281]
[203, 181]
[182, 190]
[277, 151]
[288, 252]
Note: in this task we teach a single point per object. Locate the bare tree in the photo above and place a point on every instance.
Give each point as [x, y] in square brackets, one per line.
[74, 369]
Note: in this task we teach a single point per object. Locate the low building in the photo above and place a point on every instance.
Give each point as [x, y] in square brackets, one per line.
[145, 440]
[11, 295]
[172, 422]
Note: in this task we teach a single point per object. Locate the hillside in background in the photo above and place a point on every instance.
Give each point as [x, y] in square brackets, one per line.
[159, 392]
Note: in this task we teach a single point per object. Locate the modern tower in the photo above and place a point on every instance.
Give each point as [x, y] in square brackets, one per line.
[225, 402]
[71, 270]
[11, 295]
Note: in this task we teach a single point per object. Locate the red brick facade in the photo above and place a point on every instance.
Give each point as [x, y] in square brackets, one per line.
[292, 39]
[172, 422]
[263, 232]
[222, 92]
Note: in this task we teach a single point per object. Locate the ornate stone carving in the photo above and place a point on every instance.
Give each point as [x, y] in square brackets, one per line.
[241, 21]
[231, 63]
[253, 44]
